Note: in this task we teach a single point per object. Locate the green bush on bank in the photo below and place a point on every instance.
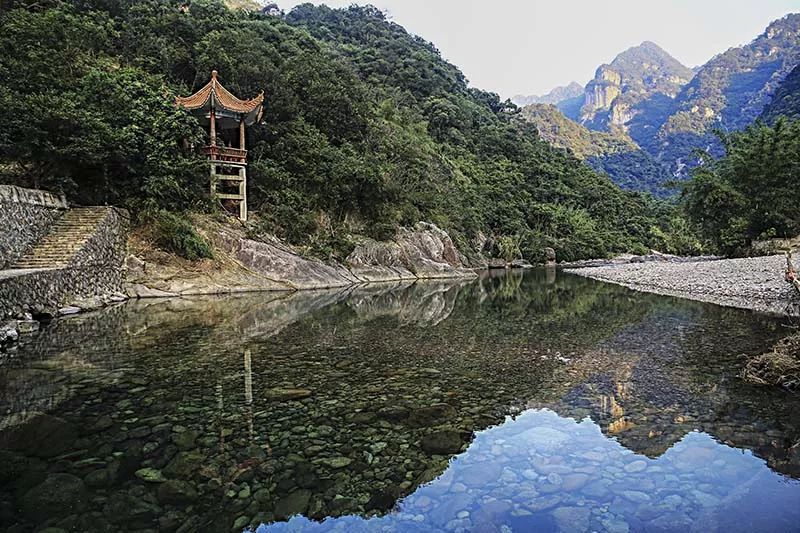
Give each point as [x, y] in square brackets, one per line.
[175, 233]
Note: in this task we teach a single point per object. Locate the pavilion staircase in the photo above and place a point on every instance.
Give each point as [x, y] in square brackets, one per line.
[66, 237]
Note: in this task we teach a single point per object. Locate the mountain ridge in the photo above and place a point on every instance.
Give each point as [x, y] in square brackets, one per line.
[556, 95]
[670, 110]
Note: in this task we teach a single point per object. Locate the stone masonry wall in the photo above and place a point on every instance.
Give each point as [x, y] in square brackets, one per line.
[96, 270]
[25, 217]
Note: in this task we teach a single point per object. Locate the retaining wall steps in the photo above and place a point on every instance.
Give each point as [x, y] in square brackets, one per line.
[66, 237]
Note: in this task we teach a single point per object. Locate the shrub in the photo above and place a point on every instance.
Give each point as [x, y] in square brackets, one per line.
[174, 233]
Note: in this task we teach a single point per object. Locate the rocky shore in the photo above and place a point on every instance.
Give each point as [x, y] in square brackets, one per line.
[754, 283]
[243, 264]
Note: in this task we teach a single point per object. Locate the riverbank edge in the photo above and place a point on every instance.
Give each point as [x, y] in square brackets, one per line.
[723, 282]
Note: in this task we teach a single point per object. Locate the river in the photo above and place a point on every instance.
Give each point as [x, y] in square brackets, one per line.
[535, 401]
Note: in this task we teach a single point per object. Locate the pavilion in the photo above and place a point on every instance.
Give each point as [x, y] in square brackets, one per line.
[224, 114]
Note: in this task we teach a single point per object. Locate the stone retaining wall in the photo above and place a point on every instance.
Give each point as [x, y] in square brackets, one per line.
[96, 270]
[26, 215]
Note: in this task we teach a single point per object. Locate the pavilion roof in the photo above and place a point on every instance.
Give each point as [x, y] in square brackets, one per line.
[214, 96]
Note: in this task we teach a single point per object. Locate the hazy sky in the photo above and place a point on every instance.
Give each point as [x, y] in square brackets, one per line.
[529, 47]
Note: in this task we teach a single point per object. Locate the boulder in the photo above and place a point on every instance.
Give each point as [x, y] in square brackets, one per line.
[292, 504]
[130, 510]
[27, 326]
[424, 251]
[444, 442]
[42, 436]
[185, 464]
[280, 263]
[432, 415]
[57, 496]
[176, 492]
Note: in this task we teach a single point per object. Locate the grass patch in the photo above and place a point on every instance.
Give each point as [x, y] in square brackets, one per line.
[780, 367]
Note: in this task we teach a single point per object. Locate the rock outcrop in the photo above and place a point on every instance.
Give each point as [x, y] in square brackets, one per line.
[425, 251]
[636, 75]
[244, 264]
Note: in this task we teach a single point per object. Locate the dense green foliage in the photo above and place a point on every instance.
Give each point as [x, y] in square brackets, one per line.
[365, 128]
[561, 132]
[635, 170]
[751, 192]
[786, 100]
[176, 234]
[612, 152]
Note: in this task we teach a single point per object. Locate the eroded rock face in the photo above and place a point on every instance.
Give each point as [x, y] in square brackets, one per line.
[424, 251]
[281, 264]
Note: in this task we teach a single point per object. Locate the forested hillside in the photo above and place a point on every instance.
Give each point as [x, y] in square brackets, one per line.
[613, 152]
[786, 100]
[728, 92]
[671, 112]
[366, 128]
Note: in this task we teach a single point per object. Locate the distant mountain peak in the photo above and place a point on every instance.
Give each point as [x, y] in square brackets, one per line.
[555, 96]
[635, 74]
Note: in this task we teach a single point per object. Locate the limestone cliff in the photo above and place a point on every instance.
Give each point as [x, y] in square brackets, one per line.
[636, 75]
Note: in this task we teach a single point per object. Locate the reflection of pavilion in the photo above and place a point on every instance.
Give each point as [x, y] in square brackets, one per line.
[248, 400]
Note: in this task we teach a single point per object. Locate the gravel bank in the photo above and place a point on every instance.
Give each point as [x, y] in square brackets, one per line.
[751, 283]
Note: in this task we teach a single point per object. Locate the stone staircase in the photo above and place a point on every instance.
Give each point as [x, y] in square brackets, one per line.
[65, 238]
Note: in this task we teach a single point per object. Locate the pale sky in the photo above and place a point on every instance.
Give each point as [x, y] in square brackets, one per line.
[529, 47]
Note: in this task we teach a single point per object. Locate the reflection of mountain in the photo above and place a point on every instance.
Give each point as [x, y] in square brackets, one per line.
[335, 402]
[654, 382]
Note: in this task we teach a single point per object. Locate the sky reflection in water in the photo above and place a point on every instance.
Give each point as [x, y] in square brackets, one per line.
[539, 471]
[218, 414]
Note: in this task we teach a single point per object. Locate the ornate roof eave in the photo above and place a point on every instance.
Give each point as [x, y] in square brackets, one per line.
[213, 96]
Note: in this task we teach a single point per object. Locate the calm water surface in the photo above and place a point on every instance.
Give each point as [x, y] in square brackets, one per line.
[536, 402]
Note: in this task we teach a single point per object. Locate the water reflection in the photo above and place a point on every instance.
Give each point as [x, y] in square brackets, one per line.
[541, 472]
[208, 414]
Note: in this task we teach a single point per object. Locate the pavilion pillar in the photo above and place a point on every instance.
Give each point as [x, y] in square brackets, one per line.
[213, 129]
[241, 134]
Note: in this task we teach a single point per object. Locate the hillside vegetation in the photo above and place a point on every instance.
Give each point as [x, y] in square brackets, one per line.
[671, 111]
[786, 100]
[751, 192]
[366, 128]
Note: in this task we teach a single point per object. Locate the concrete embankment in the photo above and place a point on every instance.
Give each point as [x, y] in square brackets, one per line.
[755, 283]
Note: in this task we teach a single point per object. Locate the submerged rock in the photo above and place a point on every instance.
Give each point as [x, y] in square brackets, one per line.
[279, 394]
[292, 504]
[185, 464]
[150, 475]
[58, 495]
[432, 415]
[443, 442]
[176, 492]
[42, 436]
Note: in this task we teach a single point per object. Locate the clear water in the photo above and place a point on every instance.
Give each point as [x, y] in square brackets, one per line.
[536, 402]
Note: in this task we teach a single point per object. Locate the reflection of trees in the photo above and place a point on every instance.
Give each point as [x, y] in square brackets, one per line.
[676, 371]
[484, 348]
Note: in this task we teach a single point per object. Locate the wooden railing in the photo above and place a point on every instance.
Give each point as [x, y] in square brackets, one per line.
[224, 153]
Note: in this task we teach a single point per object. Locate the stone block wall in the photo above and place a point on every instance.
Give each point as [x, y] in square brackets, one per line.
[96, 270]
[26, 215]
